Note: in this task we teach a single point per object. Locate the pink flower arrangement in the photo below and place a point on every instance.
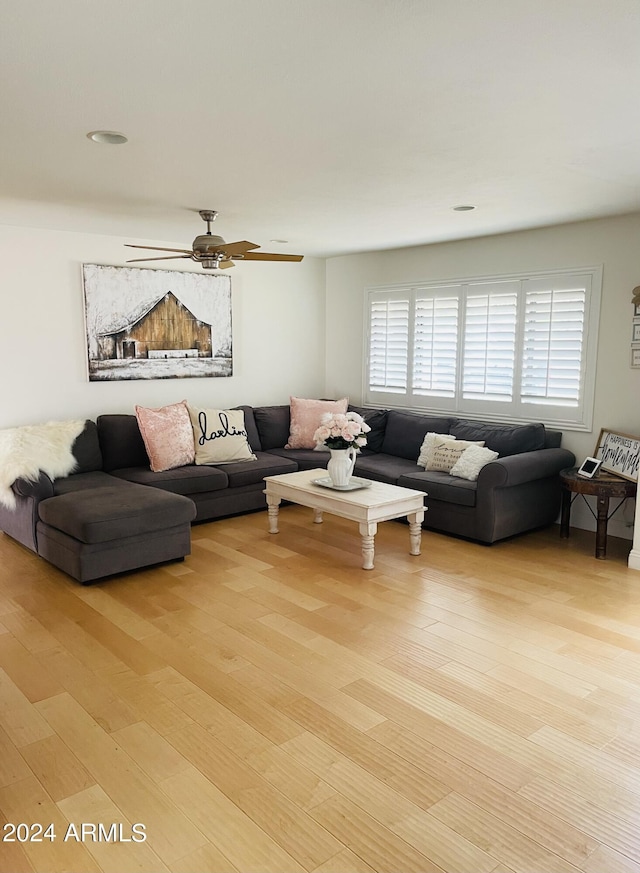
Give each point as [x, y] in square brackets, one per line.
[341, 431]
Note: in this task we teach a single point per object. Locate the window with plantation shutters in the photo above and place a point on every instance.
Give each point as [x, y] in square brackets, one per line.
[506, 347]
[434, 346]
[489, 341]
[388, 345]
[553, 342]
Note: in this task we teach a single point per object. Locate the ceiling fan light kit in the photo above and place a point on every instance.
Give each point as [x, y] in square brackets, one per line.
[212, 252]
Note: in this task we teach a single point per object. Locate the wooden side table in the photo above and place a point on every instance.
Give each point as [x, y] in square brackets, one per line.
[603, 487]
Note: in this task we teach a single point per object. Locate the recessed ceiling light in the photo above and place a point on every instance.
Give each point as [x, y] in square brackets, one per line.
[279, 240]
[462, 208]
[110, 137]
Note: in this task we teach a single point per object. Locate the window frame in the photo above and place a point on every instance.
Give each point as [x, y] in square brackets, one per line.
[579, 418]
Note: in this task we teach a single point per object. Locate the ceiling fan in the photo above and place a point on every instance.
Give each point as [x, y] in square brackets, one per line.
[212, 251]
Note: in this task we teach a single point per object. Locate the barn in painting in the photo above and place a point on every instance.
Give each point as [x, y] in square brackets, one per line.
[167, 330]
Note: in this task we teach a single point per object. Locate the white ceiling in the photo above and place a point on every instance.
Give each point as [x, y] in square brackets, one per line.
[338, 125]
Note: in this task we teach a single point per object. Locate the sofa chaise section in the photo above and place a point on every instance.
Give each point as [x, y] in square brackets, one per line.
[92, 532]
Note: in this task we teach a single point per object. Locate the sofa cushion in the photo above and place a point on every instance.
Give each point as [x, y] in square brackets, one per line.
[384, 468]
[86, 449]
[506, 439]
[253, 472]
[181, 480]
[305, 419]
[447, 447]
[121, 442]
[441, 486]
[250, 426]
[272, 423]
[220, 436]
[446, 453]
[115, 512]
[552, 438]
[405, 432]
[304, 459]
[167, 435]
[82, 482]
[377, 421]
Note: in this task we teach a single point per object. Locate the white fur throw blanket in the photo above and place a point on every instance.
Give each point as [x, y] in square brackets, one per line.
[27, 451]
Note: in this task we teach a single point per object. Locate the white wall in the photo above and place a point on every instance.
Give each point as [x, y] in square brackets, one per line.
[613, 242]
[278, 332]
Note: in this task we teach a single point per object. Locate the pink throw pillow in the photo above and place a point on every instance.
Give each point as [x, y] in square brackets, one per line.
[305, 419]
[167, 435]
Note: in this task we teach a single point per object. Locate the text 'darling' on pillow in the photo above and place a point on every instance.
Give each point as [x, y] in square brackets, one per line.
[471, 461]
[167, 435]
[305, 419]
[220, 436]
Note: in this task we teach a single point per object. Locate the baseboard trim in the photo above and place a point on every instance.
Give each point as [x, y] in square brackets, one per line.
[634, 559]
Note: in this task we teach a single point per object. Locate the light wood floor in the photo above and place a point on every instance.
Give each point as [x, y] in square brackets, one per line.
[267, 706]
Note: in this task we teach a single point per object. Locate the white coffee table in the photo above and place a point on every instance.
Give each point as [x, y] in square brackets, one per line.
[367, 506]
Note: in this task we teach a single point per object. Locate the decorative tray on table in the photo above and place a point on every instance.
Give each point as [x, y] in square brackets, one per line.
[355, 484]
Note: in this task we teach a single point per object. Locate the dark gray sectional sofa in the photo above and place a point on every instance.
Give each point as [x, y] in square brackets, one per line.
[114, 514]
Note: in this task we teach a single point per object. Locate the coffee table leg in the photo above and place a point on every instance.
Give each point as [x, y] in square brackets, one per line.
[317, 516]
[273, 508]
[368, 532]
[415, 531]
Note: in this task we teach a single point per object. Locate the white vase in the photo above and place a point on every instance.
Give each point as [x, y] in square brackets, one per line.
[340, 466]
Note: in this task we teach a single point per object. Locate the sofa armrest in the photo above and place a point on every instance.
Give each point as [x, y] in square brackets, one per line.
[39, 488]
[524, 467]
[20, 521]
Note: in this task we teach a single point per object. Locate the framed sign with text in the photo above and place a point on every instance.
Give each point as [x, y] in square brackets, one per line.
[619, 453]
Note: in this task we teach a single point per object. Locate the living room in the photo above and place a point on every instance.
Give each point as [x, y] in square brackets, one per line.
[299, 329]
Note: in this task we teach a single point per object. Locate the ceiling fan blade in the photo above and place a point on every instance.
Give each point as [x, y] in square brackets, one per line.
[158, 248]
[237, 248]
[168, 258]
[269, 256]
[224, 265]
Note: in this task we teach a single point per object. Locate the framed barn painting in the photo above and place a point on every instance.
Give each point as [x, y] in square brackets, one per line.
[156, 324]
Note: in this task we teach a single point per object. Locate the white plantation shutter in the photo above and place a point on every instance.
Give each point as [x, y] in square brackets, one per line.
[553, 344]
[508, 347]
[435, 343]
[388, 345]
[490, 342]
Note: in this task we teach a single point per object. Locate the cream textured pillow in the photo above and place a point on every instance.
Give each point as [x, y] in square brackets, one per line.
[305, 419]
[220, 436]
[426, 449]
[167, 435]
[445, 452]
[471, 461]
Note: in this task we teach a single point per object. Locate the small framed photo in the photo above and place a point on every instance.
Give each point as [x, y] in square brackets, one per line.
[635, 357]
[635, 336]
